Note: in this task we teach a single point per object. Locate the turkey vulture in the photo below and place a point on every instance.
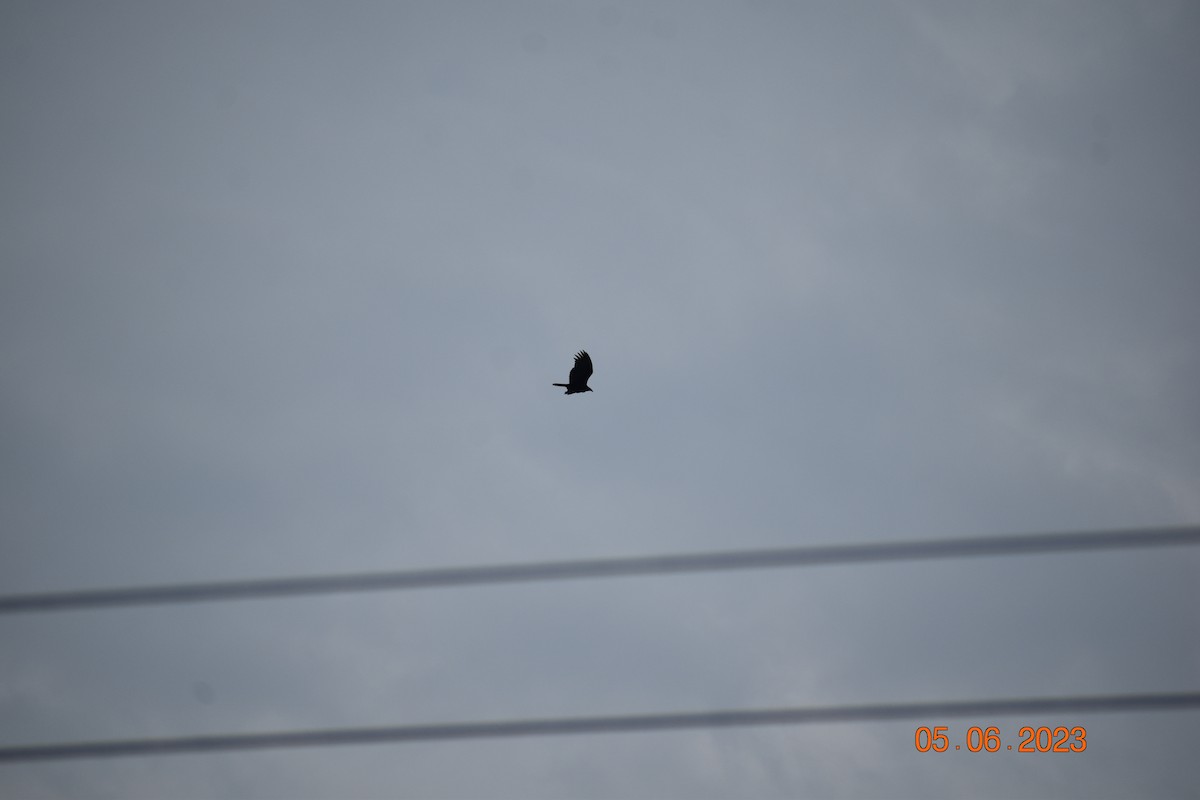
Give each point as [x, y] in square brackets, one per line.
[579, 374]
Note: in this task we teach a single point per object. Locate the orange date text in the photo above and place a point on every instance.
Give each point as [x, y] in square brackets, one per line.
[1029, 739]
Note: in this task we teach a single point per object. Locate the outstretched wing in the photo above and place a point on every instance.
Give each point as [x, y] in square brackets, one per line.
[582, 369]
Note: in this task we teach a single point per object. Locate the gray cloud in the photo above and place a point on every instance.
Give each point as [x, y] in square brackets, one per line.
[284, 287]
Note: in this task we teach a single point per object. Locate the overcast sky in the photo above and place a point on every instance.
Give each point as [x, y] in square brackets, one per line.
[284, 285]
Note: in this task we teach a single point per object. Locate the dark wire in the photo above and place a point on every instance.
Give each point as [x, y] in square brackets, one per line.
[927, 713]
[605, 568]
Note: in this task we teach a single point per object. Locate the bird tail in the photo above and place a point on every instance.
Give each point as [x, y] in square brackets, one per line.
[564, 385]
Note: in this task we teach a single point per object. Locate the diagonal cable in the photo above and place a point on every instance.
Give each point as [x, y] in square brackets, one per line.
[861, 553]
[928, 713]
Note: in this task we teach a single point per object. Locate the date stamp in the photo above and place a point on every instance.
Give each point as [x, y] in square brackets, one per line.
[988, 740]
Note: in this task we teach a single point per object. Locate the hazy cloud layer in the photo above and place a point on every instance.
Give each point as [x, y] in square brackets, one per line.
[283, 288]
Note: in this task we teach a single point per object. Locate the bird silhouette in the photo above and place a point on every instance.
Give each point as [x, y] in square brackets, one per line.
[577, 380]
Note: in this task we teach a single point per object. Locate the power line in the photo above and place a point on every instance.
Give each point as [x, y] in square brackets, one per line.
[930, 713]
[605, 568]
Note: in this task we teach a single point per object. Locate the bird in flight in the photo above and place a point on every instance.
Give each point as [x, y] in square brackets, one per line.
[577, 380]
